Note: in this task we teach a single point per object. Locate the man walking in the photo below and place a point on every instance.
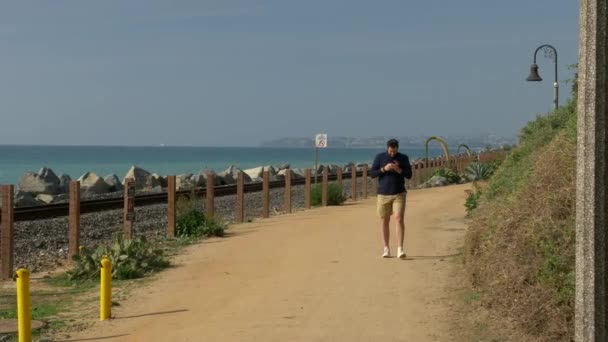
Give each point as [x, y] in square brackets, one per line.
[392, 168]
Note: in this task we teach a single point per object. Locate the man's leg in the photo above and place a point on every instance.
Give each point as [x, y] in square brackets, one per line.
[400, 228]
[386, 230]
[384, 212]
[399, 209]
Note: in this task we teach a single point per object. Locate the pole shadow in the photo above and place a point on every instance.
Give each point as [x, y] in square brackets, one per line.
[152, 314]
[93, 338]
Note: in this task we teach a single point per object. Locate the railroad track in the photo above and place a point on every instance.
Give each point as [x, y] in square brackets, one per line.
[38, 212]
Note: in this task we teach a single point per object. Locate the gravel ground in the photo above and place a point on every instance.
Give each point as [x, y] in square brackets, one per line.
[41, 245]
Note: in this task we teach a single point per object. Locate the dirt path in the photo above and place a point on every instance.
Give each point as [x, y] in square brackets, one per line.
[311, 276]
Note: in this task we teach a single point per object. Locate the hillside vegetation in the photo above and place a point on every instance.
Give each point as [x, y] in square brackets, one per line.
[519, 249]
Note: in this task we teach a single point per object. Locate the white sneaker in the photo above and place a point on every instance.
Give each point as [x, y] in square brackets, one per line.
[387, 253]
[401, 253]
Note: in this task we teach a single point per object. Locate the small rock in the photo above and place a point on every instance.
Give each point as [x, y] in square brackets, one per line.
[48, 199]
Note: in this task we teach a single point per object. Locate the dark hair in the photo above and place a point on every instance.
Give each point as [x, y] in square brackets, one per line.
[392, 143]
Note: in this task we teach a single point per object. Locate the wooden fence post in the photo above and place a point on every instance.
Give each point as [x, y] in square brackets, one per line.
[375, 186]
[7, 229]
[210, 194]
[353, 182]
[324, 187]
[171, 203]
[129, 208]
[240, 198]
[288, 191]
[364, 181]
[307, 186]
[74, 219]
[266, 194]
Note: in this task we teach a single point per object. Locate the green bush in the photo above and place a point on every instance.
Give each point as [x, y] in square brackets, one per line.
[471, 201]
[447, 173]
[192, 223]
[130, 259]
[335, 194]
[478, 171]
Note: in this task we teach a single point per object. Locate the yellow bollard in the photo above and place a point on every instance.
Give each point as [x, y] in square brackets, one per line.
[105, 297]
[23, 305]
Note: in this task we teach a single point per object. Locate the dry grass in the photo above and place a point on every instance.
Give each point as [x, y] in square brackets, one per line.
[520, 247]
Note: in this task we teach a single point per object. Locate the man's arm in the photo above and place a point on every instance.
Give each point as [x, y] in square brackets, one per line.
[376, 168]
[406, 169]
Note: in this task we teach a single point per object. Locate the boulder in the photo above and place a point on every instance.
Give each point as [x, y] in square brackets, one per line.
[157, 189]
[184, 182]
[298, 174]
[438, 181]
[348, 167]
[201, 178]
[91, 183]
[48, 199]
[113, 183]
[62, 198]
[23, 199]
[143, 179]
[64, 184]
[256, 174]
[230, 175]
[271, 170]
[320, 168]
[333, 169]
[283, 166]
[43, 182]
[294, 174]
[162, 180]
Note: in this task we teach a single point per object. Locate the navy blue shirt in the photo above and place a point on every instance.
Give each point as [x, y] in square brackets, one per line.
[391, 182]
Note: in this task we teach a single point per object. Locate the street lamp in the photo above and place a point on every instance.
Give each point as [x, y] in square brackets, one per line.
[551, 54]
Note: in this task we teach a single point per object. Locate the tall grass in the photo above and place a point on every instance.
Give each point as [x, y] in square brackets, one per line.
[520, 246]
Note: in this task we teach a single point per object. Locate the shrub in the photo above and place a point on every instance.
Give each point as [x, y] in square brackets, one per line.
[130, 259]
[478, 171]
[335, 194]
[448, 174]
[493, 165]
[471, 201]
[192, 223]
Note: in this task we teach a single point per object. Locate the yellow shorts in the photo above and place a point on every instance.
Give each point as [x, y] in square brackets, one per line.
[389, 204]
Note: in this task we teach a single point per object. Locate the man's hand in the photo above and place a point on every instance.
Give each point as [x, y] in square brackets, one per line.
[388, 167]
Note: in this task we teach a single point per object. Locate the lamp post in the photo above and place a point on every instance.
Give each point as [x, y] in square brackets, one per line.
[551, 53]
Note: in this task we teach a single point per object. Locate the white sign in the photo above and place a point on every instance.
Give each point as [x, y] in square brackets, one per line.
[321, 140]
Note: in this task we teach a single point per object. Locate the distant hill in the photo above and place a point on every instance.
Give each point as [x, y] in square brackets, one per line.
[479, 141]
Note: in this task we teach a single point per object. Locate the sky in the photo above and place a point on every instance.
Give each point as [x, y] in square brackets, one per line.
[239, 72]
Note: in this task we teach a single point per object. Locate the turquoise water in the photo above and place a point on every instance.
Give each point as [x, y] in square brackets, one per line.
[104, 160]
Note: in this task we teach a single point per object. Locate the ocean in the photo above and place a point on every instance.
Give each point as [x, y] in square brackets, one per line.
[103, 160]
